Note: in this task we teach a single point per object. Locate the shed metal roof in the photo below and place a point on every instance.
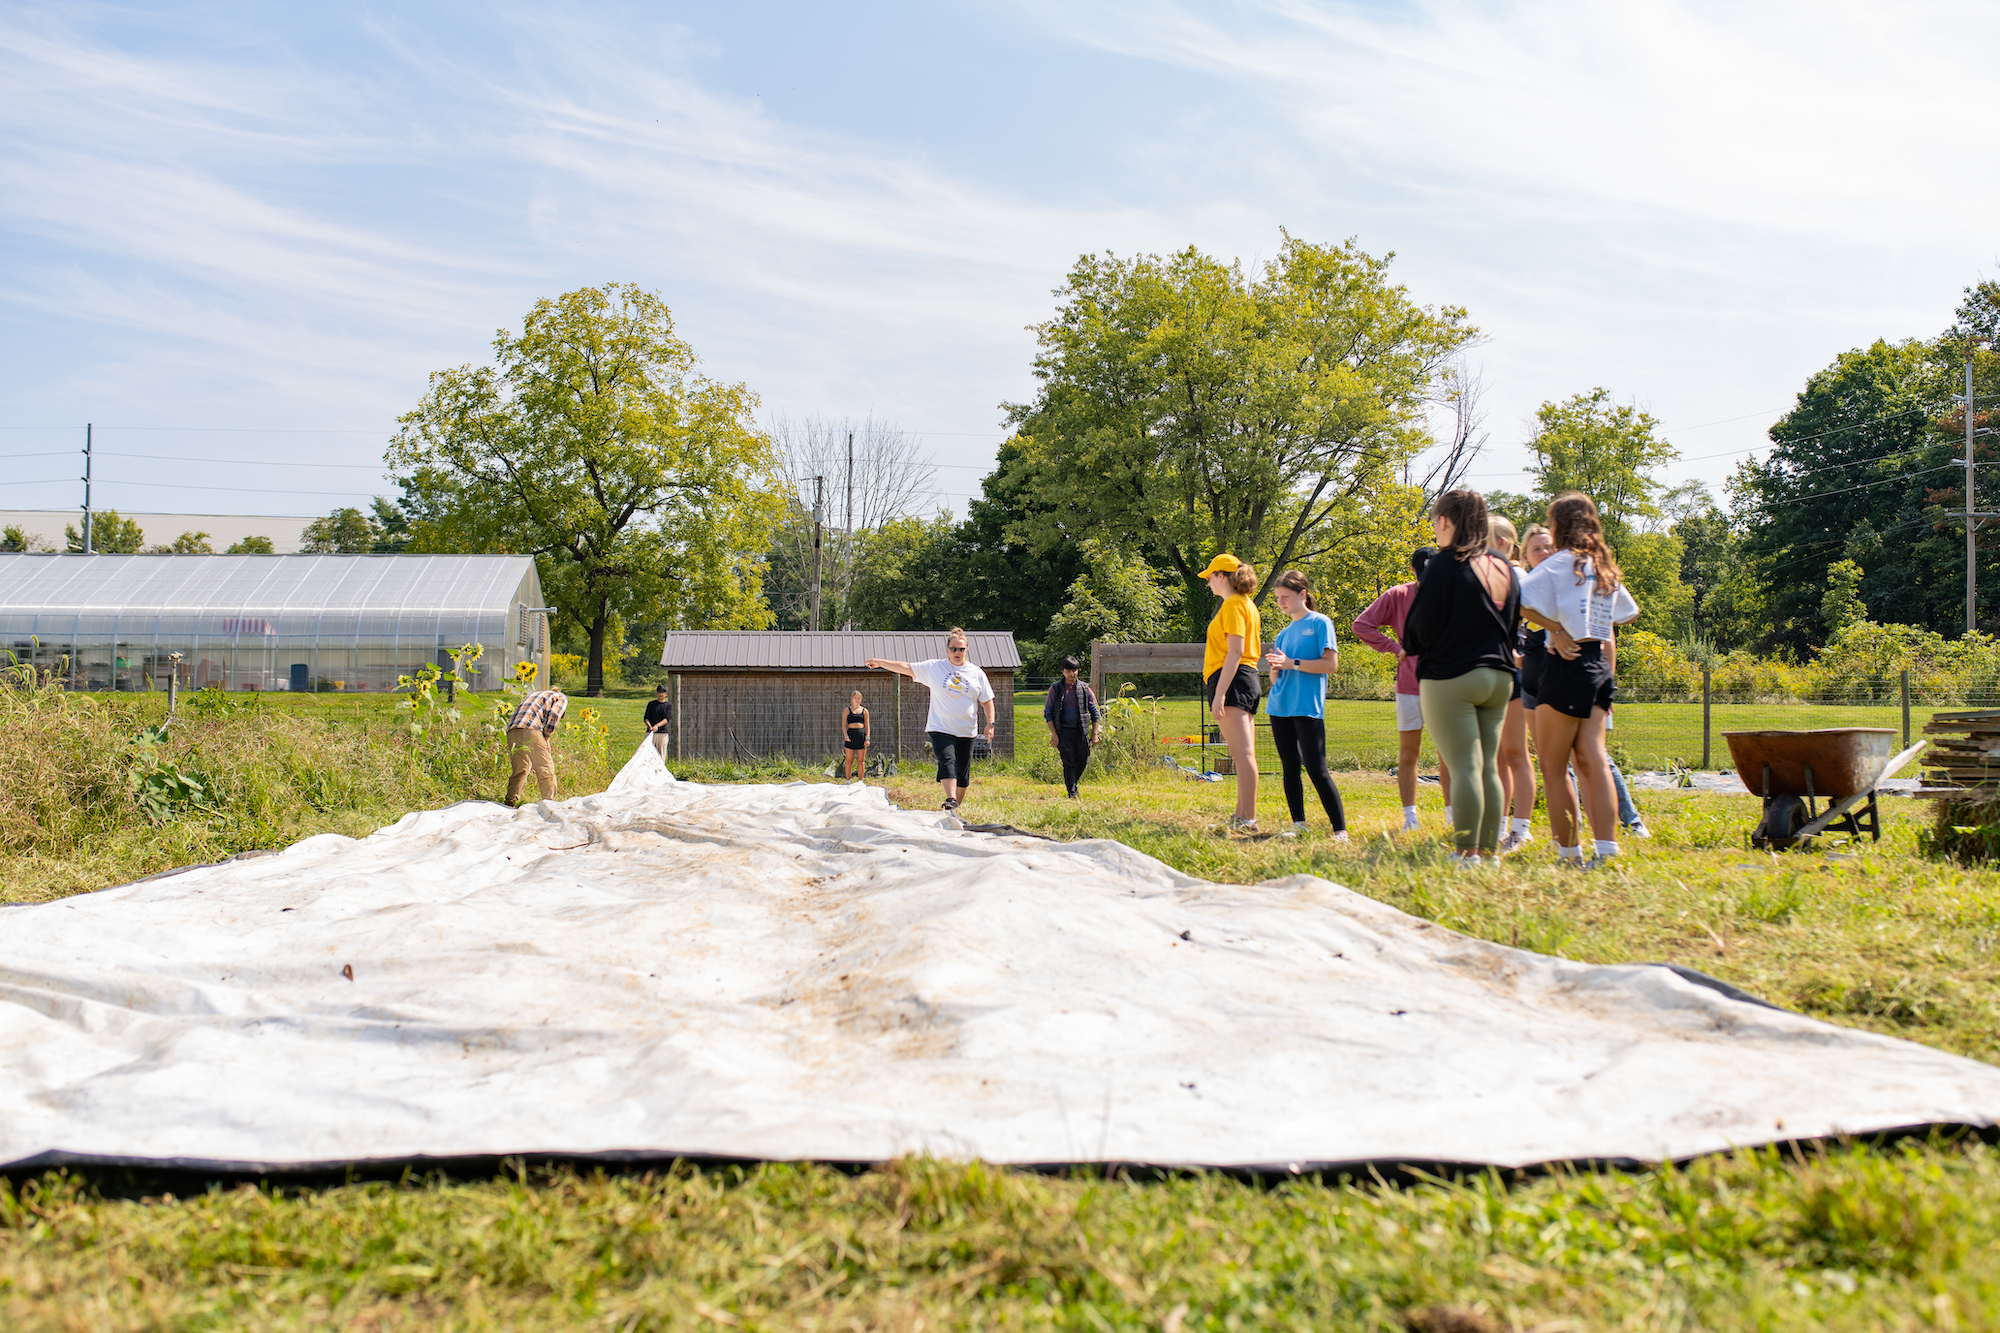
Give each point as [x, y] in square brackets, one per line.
[107, 584]
[805, 650]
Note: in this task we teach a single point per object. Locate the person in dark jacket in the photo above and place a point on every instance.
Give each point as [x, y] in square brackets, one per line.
[659, 718]
[1461, 630]
[1069, 705]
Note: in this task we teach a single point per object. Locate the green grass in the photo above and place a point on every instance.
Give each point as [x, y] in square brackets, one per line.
[1361, 733]
[1859, 1237]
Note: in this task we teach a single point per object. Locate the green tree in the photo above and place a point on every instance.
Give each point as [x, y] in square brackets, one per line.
[1118, 598]
[1858, 456]
[1606, 451]
[1652, 565]
[188, 543]
[252, 546]
[643, 488]
[391, 526]
[110, 534]
[1725, 596]
[17, 539]
[343, 532]
[1372, 539]
[1841, 605]
[1183, 408]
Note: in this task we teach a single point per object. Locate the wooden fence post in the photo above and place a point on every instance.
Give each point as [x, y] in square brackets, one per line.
[680, 722]
[1705, 731]
[1906, 710]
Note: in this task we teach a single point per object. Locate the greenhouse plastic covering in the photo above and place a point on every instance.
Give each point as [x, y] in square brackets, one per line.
[804, 971]
[333, 623]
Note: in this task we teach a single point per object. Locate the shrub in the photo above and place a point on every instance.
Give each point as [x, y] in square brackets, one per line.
[1653, 669]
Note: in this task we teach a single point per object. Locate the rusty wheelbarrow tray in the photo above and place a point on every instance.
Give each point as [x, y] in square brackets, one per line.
[1794, 770]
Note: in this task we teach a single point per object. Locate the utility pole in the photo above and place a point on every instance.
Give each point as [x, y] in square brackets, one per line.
[847, 546]
[86, 488]
[1971, 523]
[819, 494]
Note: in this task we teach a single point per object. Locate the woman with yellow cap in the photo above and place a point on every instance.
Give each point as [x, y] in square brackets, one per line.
[1229, 675]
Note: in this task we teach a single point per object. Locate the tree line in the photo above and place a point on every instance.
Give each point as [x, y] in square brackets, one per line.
[1301, 415]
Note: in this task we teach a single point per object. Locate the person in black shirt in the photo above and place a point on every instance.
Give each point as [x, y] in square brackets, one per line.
[1070, 701]
[855, 722]
[1461, 630]
[659, 713]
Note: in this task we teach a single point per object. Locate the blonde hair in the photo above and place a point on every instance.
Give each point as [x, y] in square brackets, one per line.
[956, 633]
[1500, 535]
[1243, 580]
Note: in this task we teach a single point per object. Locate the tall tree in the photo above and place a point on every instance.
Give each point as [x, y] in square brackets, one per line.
[594, 444]
[882, 476]
[1184, 408]
[1857, 471]
[1606, 450]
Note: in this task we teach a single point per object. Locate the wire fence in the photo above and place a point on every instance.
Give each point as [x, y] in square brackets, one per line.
[1647, 733]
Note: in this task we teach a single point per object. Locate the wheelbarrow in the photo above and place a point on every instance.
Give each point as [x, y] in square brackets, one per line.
[1794, 770]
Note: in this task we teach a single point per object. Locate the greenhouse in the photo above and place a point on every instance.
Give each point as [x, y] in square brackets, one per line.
[269, 622]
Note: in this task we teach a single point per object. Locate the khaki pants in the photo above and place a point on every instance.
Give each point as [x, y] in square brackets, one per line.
[528, 751]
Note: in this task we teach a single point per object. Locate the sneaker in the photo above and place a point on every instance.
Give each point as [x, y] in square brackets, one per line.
[950, 803]
[1294, 831]
[1514, 842]
[1637, 828]
[1411, 824]
[1238, 824]
[1340, 836]
[1600, 863]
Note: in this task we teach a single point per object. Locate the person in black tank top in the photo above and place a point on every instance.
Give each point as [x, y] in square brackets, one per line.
[855, 721]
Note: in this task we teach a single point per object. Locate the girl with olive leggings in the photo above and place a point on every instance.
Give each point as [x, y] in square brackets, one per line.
[1461, 631]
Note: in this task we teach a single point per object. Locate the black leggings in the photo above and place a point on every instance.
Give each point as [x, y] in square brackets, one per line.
[1301, 741]
[954, 756]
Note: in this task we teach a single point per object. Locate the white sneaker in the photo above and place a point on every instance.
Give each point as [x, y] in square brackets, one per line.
[1514, 842]
[1410, 824]
[1637, 828]
[1294, 831]
[1340, 836]
[1238, 824]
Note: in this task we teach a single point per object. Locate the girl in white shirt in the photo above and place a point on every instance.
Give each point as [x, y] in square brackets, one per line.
[1578, 593]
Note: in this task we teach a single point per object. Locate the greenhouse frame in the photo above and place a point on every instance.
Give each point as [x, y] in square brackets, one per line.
[269, 622]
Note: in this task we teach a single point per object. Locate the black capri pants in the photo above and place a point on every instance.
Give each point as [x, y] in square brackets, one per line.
[954, 756]
[1301, 743]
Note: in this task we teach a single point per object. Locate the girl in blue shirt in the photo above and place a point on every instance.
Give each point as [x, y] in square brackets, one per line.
[1302, 657]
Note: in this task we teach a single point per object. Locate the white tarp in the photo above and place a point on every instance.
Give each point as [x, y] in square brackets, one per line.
[804, 972]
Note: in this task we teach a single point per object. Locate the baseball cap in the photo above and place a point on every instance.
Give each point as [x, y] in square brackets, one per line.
[1222, 564]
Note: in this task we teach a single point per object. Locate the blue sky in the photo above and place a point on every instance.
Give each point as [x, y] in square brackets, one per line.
[248, 232]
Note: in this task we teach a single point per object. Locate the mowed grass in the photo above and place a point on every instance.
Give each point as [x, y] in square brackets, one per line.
[1887, 1236]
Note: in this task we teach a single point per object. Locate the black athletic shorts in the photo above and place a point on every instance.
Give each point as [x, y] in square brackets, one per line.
[1574, 688]
[1517, 686]
[954, 756]
[856, 742]
[1244, 691]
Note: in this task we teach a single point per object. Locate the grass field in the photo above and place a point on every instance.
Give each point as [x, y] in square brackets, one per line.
[1825, 1236]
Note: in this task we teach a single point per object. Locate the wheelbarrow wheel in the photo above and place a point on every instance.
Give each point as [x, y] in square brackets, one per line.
[1784, 816]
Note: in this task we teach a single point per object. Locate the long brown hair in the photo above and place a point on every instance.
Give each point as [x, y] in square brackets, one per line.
[1466, 512]
[1298, 583]
[1243, 579]
[1575, 526]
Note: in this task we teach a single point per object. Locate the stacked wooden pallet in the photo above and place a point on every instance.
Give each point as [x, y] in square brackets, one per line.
[1964, 752]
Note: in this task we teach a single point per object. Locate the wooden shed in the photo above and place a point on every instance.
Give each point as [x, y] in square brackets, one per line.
[746, 694]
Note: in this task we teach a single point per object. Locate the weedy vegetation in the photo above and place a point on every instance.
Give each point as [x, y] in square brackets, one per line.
[1892, 1235]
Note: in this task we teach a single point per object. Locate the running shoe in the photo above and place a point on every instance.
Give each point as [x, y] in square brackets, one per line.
[950, 803]
[1238, 824]
[1294, 831]
[1600, 863]
[1411, 824]
[1514, 842]
[1637, 828]
[1340, 835]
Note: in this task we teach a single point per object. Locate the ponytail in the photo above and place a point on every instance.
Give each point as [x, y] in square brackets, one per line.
[1297, 582]
[1243, 580]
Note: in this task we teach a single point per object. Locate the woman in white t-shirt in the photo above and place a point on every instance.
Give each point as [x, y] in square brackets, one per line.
[959, 691]
[1578, 594]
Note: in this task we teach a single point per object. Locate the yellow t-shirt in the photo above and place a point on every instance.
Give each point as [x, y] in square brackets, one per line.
[1237, 616]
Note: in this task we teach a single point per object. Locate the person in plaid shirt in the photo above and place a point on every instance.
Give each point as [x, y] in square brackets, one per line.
[528, 732]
